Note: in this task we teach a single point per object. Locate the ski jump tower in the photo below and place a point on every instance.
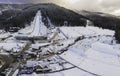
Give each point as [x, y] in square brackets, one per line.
[38, 32]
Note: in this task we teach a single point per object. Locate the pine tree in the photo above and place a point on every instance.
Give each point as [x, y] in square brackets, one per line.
[117, 32]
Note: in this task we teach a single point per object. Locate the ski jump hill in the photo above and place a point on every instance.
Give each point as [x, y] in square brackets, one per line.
[38, 32]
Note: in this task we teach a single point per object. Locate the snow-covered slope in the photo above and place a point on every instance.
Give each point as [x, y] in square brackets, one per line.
[101, 59]
[74, 32]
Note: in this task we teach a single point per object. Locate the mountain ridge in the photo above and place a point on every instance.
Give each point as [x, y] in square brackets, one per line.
[22, 14]
[100, 19]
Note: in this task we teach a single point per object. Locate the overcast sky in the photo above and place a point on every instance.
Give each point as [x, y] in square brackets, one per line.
[107, 6]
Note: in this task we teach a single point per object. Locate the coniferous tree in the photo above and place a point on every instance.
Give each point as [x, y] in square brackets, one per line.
[117, 32]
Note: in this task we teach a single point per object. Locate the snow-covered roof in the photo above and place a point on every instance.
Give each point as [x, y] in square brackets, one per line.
[31, 63]
[37, 45]
[4, 35]
[11, 46]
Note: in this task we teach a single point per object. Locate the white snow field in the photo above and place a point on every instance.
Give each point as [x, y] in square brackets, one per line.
[97, 54]
[101, 60]
[73, 32]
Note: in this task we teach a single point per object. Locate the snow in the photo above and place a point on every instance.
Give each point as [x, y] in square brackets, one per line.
[4, 53]
[75, 72]
[100, 31]
[74, 32]
[101, 59]
[36, 29]
[55, 67]
[4, 35]
[39, 28]
[98, 54]
[70, 32]
[72, 57]
[15, 47]
[105, 48]
[31, 63]
[34, 74]
[15, 73]
[63, 44]
[37, 45]
[77, 51]
[26, 30]
[70, 72]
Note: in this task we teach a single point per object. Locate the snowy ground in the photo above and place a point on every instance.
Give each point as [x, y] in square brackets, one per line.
[73, 32]
[96, 54]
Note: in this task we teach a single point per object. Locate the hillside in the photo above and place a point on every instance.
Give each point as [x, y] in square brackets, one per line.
[18, 15]
[101, 19]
